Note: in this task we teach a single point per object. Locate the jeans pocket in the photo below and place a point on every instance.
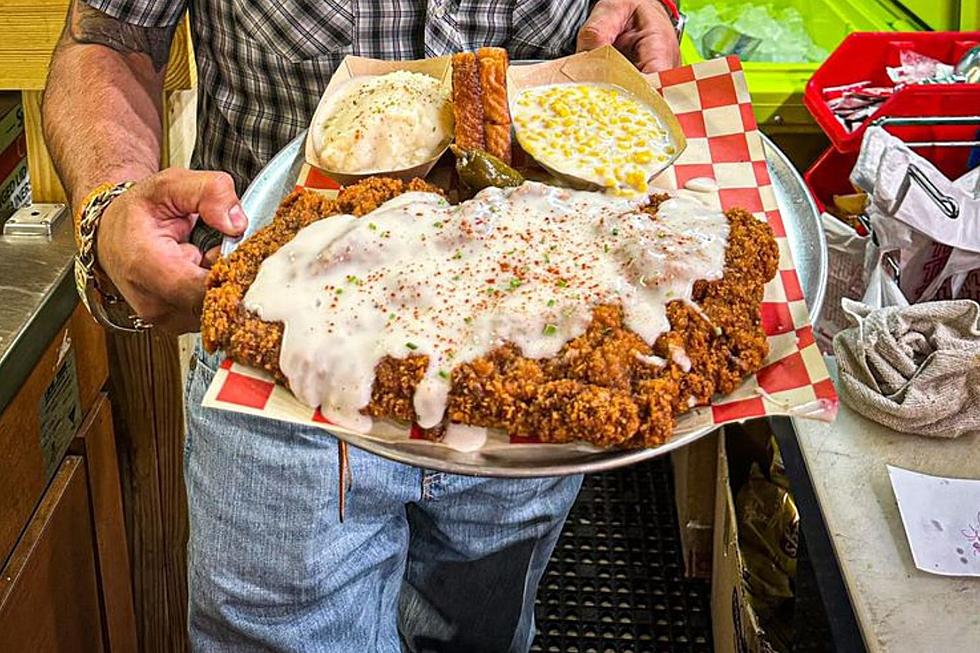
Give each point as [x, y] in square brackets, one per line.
[195, 386]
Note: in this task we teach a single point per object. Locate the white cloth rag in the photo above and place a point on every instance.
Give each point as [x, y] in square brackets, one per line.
[915, 368]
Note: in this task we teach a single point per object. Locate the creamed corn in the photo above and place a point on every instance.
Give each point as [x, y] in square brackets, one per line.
[595, 132]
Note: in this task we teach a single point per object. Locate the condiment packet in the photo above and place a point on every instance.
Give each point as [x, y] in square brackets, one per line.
[854, 103]
[916, 68]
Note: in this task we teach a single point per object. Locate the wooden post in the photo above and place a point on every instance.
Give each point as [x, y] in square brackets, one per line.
[145, 373]
[144, 382]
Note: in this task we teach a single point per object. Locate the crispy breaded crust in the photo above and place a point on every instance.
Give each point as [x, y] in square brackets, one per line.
[468, 102]
[595, 389]
[225, 324]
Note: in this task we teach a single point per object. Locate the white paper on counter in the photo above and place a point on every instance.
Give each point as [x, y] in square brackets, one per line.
[941, 517]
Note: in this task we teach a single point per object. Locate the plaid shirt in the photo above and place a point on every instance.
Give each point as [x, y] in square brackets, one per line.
[264, 63]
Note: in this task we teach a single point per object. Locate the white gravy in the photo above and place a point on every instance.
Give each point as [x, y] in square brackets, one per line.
[418, 276]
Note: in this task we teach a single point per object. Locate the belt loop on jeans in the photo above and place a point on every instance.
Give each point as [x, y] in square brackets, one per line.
[430, 482]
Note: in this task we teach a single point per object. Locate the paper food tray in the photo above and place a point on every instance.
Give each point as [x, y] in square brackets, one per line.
[606, 66]
[438, 68]
[713, 107]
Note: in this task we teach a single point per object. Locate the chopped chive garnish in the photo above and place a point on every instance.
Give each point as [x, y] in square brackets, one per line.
[551, 303]
[437, 225]
[411, 345]
[562, 283]
[467, 319]
[605, 248]
[372, 226]
[456, 278]
[615, 231]
[550, 330]
[339, 291]
[546, 259]
[444, 374]
[457, 255]
[515, 283]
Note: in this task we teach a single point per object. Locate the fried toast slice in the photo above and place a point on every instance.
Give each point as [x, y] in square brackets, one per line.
[492, 63]
[468, 102]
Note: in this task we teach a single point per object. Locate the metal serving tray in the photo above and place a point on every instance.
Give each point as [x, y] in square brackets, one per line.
[806, 239]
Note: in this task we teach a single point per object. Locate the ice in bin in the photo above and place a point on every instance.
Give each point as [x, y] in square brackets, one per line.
[780, 30]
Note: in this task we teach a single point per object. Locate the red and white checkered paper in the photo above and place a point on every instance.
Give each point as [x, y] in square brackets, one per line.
[712, 103]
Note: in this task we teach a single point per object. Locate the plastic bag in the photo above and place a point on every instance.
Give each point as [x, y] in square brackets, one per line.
[768, 533]
[846, 277]
[933, 255]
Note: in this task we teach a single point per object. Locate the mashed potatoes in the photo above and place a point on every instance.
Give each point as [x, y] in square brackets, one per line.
[385, 123]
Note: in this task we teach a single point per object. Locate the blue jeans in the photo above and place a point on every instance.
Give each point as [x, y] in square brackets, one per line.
[424, 560]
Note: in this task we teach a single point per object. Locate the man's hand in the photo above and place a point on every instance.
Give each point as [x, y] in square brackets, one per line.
[640, 29]
[143, 242]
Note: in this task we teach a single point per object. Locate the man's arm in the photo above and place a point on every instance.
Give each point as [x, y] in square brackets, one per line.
[102, 122]
[102, 104]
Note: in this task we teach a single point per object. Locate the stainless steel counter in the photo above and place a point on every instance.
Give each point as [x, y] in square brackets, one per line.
[37, 294]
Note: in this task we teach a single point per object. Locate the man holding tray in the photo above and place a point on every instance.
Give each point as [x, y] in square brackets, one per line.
[424, 560]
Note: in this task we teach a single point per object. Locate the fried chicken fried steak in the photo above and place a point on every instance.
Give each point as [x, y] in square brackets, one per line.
[600, 388]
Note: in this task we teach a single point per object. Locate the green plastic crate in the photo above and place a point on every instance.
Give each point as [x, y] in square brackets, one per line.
[940, 15]
[777, 88]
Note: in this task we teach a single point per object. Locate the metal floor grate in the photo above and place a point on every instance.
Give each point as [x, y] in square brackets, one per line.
[615, 583]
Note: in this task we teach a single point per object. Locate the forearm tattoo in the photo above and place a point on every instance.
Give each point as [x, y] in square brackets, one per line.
[88, 25]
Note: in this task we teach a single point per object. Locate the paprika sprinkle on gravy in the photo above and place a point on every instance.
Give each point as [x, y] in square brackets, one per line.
[523, 265]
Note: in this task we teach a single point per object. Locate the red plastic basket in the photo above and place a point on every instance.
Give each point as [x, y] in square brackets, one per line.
[864, 56]
[830, 175]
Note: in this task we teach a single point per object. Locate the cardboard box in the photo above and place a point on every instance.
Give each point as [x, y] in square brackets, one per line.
[11, 118]
[15, 191]
[735, 627]
[695, 476]
[15, 188]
